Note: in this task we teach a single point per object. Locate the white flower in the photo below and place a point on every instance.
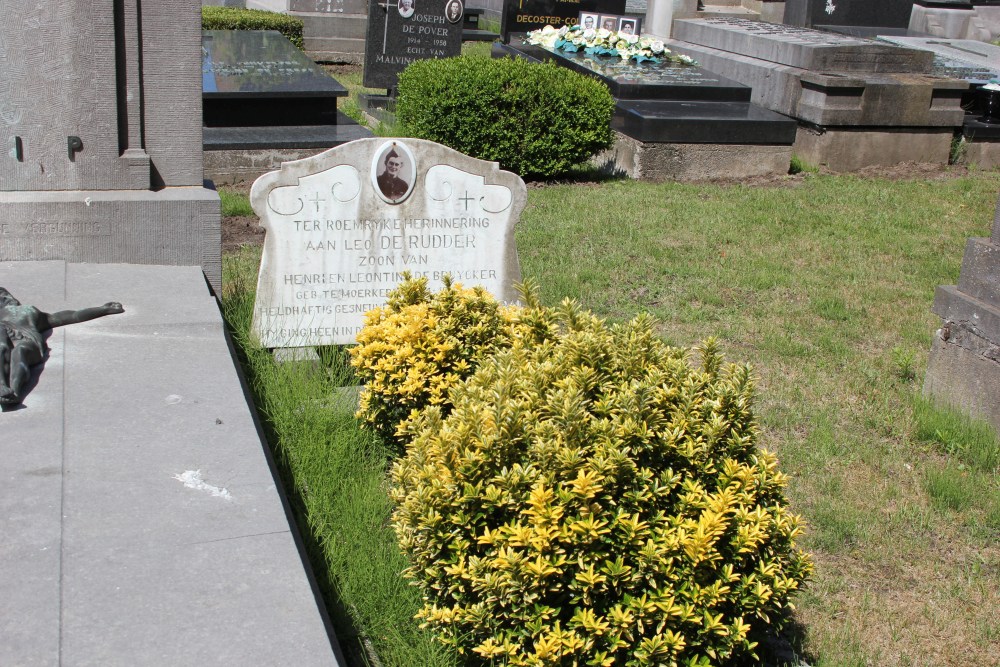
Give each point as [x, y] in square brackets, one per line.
[688, 60]
[631, 39]
[547, 36]
[579, 41]
[603, 34]
[589, 34]
[656, 46]
[563, 30]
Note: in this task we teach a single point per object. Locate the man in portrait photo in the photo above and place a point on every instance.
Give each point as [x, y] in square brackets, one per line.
[627, 26]
[588, 22]
[454, 10]
[405, 8]
[608, 23]
[389, 182]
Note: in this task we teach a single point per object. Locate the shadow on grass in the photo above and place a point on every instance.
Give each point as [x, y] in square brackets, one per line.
[782, 649]
[582, 173]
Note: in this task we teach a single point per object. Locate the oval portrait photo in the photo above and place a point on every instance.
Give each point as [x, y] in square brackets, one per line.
[453, 10]
[405, 8]
[393, 171]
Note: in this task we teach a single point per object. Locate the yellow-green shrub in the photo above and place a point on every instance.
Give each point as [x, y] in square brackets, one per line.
[595, 499]
[413, 350]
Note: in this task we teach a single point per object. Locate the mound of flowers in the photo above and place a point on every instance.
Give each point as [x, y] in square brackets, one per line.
[601, 42]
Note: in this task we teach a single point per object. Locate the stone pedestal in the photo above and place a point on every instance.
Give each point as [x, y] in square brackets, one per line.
[964, 365]
[101, 124]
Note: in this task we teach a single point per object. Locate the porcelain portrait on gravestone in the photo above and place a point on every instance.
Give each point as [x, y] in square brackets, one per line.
[588, 21]
[454, 10]
[405, 8]
[609, 23]
[393, 170]
[626, 26]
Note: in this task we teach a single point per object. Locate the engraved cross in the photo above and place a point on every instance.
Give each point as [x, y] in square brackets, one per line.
[466, 199]
[316, 200]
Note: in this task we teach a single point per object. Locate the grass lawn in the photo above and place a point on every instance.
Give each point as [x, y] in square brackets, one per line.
[825, 285]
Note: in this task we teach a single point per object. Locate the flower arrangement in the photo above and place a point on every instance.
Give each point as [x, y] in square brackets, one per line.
[606, 43]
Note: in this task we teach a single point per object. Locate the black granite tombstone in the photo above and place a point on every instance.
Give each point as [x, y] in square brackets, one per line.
[260, 92]
[402, 31]
[882, 13]
[628, 80]
[664, 103]
[522, 16]
[258, 78]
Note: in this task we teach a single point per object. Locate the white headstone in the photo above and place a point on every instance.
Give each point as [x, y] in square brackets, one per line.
[343, 226]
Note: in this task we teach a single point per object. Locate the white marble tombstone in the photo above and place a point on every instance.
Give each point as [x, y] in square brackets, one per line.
[343, 227]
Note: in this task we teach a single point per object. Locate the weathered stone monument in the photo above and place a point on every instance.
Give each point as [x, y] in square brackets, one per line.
[956, 19]
[343, 226]
[859, 102]
[141, 521]
[978, 63]
[100, 120]
[964, 365]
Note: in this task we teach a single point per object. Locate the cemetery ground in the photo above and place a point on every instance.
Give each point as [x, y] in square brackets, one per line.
[824, 284]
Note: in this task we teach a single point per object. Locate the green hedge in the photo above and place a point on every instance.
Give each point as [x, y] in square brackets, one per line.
[235, 18]
[534, 119]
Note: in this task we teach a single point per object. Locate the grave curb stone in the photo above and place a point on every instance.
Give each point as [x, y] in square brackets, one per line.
[658, 161]
[819, 97]
[847, 149]
[142, 567]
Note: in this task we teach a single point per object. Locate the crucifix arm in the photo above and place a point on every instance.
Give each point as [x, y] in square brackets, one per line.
[64, 317]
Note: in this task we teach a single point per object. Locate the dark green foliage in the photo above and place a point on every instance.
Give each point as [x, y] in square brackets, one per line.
[534, 119]
[235, 18]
